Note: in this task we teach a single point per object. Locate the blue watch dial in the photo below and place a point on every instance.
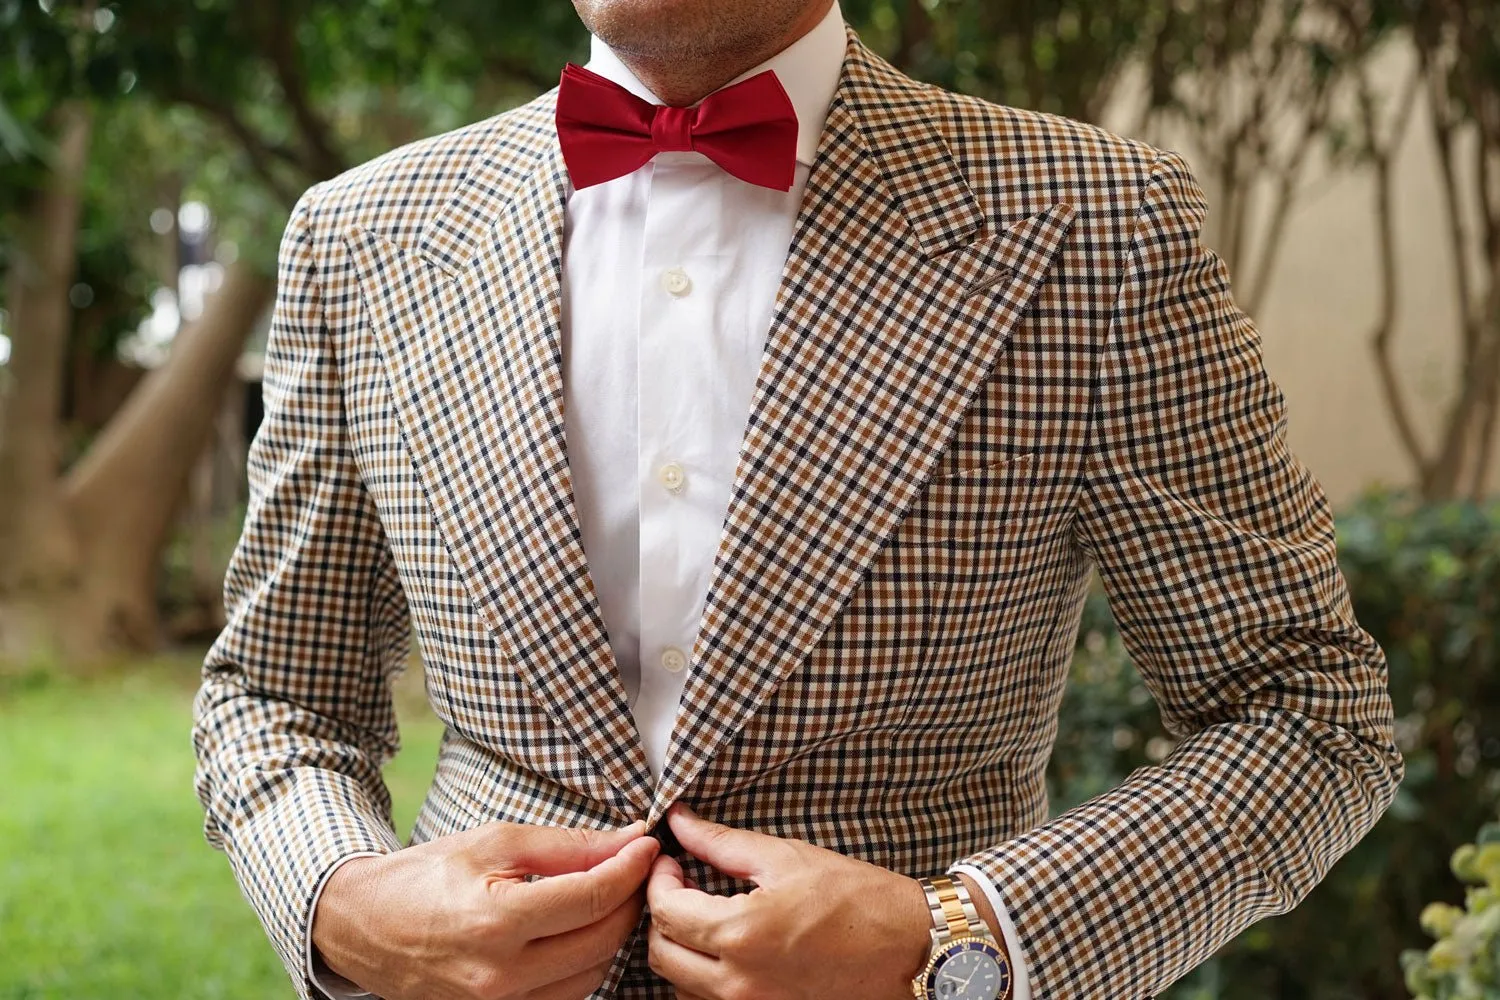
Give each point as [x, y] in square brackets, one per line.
[969, 969]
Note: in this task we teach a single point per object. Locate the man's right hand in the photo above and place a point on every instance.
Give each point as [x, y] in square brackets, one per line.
[454, 918]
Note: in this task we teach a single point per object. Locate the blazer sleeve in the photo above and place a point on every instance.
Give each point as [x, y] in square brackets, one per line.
[1216, 549]
[294, 718]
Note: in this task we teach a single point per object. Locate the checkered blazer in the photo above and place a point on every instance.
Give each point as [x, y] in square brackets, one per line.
[1000, 358]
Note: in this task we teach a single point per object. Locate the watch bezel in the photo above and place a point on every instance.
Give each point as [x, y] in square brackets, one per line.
[962, 943]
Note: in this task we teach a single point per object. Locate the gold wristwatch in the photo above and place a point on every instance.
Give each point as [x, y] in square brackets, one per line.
[966, 962]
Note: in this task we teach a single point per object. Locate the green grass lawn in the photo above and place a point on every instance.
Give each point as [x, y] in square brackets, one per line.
[107, 888]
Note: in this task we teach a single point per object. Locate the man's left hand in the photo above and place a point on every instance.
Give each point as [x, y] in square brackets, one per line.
[818, 924]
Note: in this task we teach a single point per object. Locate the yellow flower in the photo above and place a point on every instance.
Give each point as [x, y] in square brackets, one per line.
[1463, 863]
[1488, 864]
[1445, 956]
[1439, 919]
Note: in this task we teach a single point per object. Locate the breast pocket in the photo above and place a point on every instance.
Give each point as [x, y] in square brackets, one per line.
[971, 503]
[983, 545]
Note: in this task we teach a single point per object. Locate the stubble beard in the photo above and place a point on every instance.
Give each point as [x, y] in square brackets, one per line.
[689, 51]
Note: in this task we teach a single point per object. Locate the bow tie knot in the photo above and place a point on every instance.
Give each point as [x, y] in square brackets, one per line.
[749, 129]
[672, 128]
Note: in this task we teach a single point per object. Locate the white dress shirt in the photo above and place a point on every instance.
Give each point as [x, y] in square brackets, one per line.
[669, 282]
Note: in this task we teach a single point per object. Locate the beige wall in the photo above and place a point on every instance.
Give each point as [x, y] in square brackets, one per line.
[1320, 312]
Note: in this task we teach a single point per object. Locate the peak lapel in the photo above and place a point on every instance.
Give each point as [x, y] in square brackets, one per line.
[895, 302]
[469, 324]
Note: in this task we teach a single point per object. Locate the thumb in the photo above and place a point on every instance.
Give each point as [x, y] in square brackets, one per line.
[666, 875]
[740, 853]
[515, 849]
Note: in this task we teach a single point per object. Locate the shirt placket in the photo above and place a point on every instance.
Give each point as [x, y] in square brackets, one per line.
[680, 509]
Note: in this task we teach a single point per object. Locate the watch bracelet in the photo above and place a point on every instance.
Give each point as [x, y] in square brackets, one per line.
[942, 931]
[945, 915]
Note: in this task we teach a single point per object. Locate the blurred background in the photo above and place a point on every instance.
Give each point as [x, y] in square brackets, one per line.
[150, 152]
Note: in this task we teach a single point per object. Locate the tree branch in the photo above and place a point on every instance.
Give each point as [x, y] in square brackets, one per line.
[1385, 326]
[1491, 402]
[281, 46]
[1458, 238]
[916, 29]
[258, 150]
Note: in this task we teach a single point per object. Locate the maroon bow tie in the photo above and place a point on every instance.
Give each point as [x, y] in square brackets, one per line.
[749, 129]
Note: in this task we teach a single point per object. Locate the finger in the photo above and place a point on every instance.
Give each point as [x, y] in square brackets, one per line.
[692, 972]
[580, 984]
[586, 946]
[666, 873]
[741, 853]
[689, 917]
[512, 849]
[576, 899]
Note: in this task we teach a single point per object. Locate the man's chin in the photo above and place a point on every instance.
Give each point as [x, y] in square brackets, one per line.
[647, 26]
[673, 30]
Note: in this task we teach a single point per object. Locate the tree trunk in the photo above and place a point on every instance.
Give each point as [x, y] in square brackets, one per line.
[39, 558]
[125, 493]
[78, 580]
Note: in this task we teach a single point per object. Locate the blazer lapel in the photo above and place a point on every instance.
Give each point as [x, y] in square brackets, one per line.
[469, 323]
[895, 302]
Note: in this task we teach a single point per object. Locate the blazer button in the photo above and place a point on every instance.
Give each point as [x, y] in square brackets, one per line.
[668, 840]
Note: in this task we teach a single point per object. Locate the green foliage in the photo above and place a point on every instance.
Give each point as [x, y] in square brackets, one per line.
[44, 60]
[307, 88]
[1110, 726]
[242, 106]
[1426, 583]
[50, 56]
[1051, 55]
[106, 886]
[1464, 964]
[181, 583]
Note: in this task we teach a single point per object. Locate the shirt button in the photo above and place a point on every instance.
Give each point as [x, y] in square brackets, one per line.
[672, 660]
[676, 282]
[672, 477]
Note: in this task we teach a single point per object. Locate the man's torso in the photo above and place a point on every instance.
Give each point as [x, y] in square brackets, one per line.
[896, 589]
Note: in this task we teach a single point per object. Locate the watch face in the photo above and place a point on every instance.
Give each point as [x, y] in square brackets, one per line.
[969, 969]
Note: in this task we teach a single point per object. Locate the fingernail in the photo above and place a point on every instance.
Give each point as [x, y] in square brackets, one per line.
[632, 826]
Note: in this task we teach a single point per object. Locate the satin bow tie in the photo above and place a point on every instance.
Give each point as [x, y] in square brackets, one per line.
[748, 129]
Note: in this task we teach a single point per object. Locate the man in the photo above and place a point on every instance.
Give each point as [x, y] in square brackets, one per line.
[754, 456]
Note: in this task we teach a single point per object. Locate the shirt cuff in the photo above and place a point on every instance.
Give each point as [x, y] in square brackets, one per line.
[335, 987]
[1021, 987]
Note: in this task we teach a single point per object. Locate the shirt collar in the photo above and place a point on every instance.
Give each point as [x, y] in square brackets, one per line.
[808, 69]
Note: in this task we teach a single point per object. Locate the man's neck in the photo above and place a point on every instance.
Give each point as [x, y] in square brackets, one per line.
[684, 82]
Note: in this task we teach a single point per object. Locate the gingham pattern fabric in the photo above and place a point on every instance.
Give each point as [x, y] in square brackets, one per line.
[1000, 358]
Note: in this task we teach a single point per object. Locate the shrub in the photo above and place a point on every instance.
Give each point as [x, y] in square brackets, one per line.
[1464, 964]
